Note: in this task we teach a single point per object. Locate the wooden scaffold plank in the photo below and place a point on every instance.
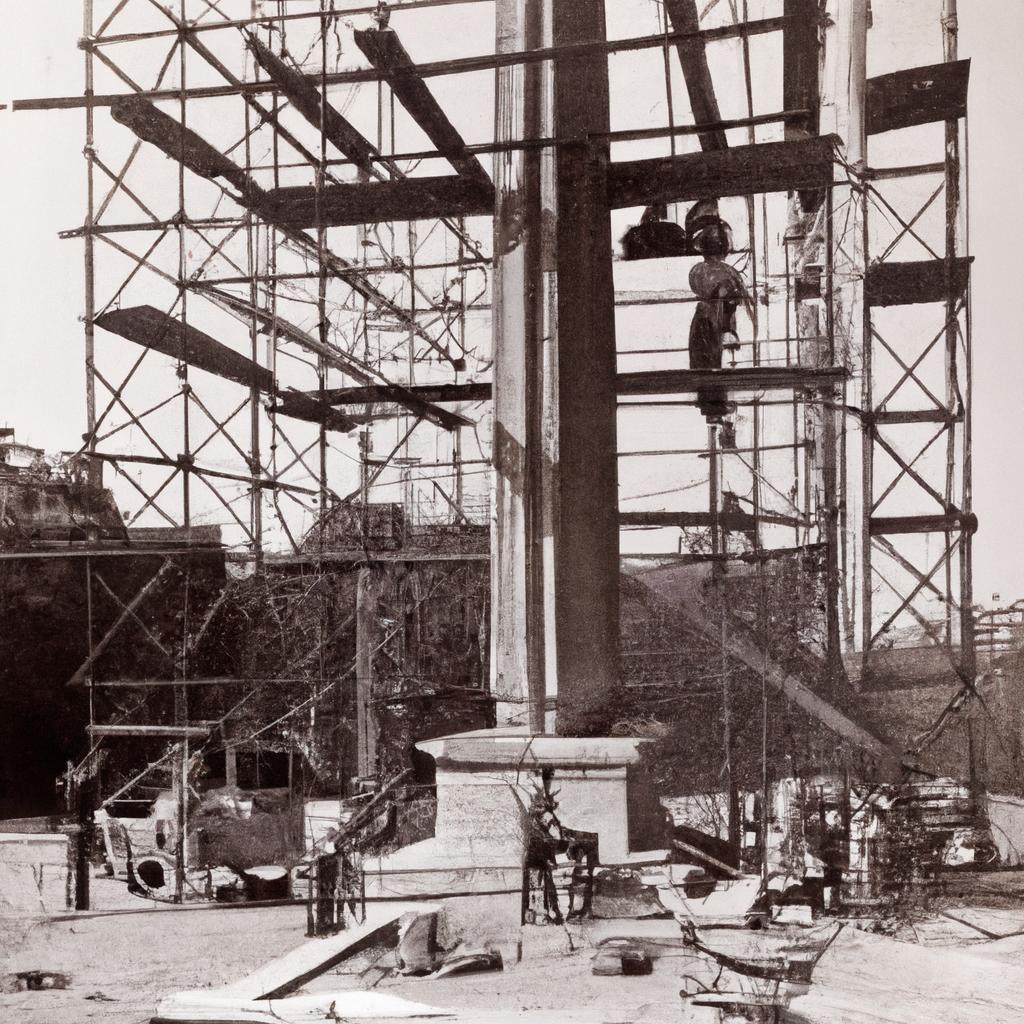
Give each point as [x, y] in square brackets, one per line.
[408, 199]
[149, 327]
[915, 96]
[916, 281]
[742, 170]
[643, 382]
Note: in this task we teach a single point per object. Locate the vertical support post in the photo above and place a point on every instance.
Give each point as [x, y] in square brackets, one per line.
[85, 789]
[180, 780]
[842, 88]
[755, 461]
[952, 189]
[968, 655]
[181, 793]
[94, 465]
[857, 20]
[310, 915]
[457, 432]
[81, 835]
[852, 43]
[231, 764]
[830, 515]
[366, 630]
[252, 250]
[800, 54]
[271, 290]
[801, 90]
[830, 477]
[867, 453]
[321, 302]
[734, 825]
[185, 458]
[180, 691]
[411, 510]
[714, 491]
[587, 532]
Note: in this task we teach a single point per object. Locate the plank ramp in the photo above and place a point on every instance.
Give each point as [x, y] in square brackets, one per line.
[289, 972]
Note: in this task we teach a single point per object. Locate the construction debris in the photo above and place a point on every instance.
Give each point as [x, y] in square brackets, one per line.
[621, 958]
[33, 981]
[470, 961]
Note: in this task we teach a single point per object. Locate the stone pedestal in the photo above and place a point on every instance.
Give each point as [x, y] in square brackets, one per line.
[485, 781]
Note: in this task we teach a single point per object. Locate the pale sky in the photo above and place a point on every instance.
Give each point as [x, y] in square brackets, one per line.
[41, 375]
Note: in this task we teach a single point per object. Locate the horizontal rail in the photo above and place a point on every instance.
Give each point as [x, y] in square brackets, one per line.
[431, 69]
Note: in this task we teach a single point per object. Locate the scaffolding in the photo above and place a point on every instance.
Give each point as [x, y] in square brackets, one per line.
[288, 226]
[915, 401]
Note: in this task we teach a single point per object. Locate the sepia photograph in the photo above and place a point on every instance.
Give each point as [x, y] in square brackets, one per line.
[508, 512]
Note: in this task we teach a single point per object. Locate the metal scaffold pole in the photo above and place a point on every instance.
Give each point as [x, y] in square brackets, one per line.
[90, 286]
[958, 392]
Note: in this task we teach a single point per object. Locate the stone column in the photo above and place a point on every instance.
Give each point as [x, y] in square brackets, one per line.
[523, 359]
[587, 532]
[555, 562]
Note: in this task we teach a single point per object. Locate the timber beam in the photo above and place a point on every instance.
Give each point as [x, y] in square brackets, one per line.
[645, 382]
[743, 170]
[696, 74]
[474, 391]
[953, 521]
[152, 329]
[270, 323]
[752, 655]
[181, 143]
[340, 360]
[915, 281]
[384, 50]
[744, 378]
[174, 732]
[372, 202]
[886, 417]
[734, 522]
[915, 96]
[689, 592]
[404, 398]
[800, 61]
[305, 98]
[149, 684]
[187, 463]
[788, 166]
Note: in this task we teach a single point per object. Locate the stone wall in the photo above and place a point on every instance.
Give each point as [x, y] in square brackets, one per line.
[35, 874]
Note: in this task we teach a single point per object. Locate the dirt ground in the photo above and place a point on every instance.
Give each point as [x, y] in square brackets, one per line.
[121, 964]
[123, 959]
[549, 968]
